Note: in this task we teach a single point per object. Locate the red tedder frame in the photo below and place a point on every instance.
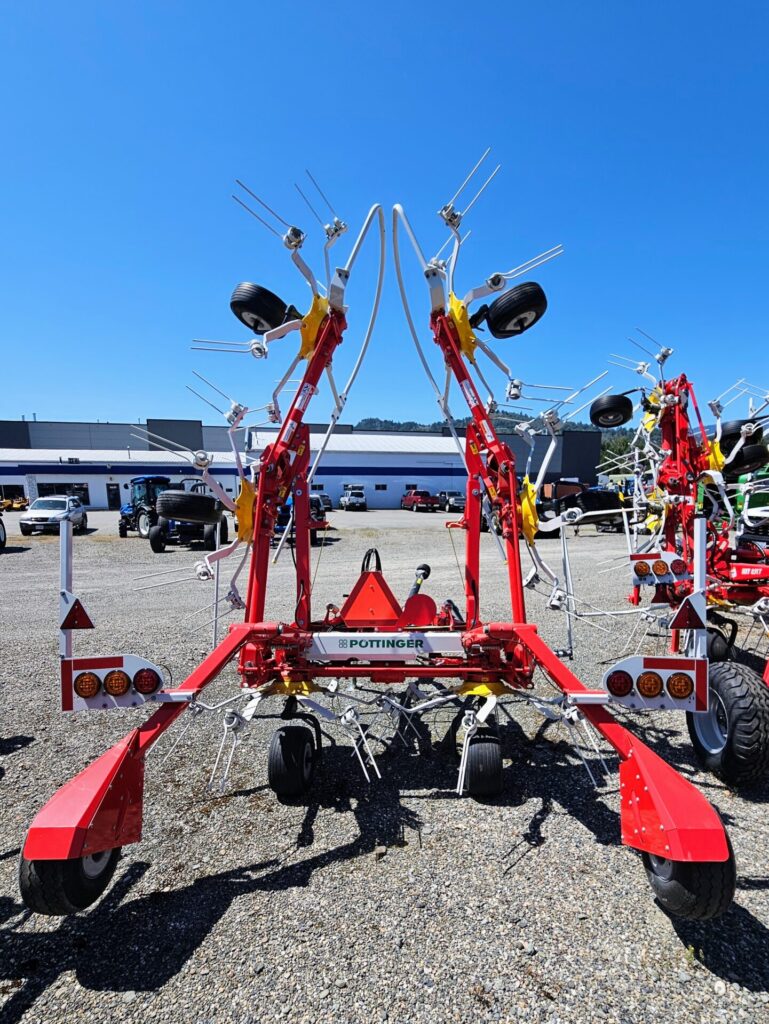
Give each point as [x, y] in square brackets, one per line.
[101, 808]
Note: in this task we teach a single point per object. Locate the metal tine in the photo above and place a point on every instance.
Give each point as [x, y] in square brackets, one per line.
[215, 341]
[171, 451]
[221, 351]
[168, 583]
[313, 211]
[321, 192]
[639, 345]
[628, 359]
[467, 179]
[654, 340]
[481, 190]
[163, 572]
[450, 238]
[535, 261]
[214, 387]
[205, 608]
[590, 401]
[261, 202]
[167, 440]
[202, 399]
[255, 214]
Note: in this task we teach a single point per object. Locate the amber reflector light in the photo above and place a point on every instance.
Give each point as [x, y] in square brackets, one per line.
[87, 684]
[117, 683]
[660, 568]
[680, 686]
[642, 569]
[619, 683]
[649, 684]
[678, 566]
[146, 680]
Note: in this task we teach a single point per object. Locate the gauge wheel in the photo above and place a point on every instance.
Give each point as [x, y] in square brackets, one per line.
[257, 308]
[59, 887]
[291, 762]
[517, 310]
[611, 411]
[696, 890]
[483, 774]
[731, 738]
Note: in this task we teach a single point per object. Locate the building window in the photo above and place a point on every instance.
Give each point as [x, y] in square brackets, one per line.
[76, 490]
[411, 487]
[380, 487]
[316, 487]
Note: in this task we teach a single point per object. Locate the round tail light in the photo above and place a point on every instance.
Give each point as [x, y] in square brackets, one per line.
[619, 683]
[678, 567]
[117, 683]
[660, 568]
[642, 569]
[146, 681]
[649, 684]
[87, 685]
[680, 686]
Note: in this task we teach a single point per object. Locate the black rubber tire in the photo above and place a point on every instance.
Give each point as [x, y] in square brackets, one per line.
[611, 411]
[291, 761]
[209, 536]
[258, 308]
[224, 532]
[3, 537]
[157, 539]
[731, 433]
[25, 531]
[84, 525]
[143, 524]
[59, 887]
[122, 529]
[483, 775]
[747, 460]
[189, 507]
[516, 311]
[718, 648]
[695, 890]
[744, 697]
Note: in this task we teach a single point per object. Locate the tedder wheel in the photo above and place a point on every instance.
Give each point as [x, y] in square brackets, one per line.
[611, 411]
[731, 738]
[696, 890]
[747, 460]
[291, 761]
[517, 310]
[718, 646]
[484, 764]
[258, 308]
[143, 525]
[157, 539]
[189, 507]
[60, 887]
[731, 432]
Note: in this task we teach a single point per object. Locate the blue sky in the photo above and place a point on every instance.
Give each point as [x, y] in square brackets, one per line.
[635, 134]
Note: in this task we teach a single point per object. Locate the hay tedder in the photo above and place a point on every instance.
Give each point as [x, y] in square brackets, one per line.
[372, 659]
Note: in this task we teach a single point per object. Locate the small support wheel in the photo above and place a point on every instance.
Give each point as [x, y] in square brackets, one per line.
[696, 890]
[157, 537]
[731, 738]
[291, 762]
[611, 411]
[59, 887]
[483, 776]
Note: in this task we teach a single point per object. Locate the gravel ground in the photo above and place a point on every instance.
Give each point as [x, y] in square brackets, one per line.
[394, 901]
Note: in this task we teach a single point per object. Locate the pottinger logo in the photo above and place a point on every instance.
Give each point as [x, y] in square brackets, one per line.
[384, 643]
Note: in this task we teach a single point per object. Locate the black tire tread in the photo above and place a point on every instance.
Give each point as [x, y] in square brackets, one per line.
[484, 765]
[528, 297]
[703, 890]
[188, 507]
[284, 761]
[49, 886]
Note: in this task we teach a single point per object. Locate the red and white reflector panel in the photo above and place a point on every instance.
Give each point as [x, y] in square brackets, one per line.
[76, 616]
[658, 567]
[687, 617]
[659, 684]
[99, 684]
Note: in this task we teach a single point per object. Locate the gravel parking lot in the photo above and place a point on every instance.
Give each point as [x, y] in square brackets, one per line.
[394, 901]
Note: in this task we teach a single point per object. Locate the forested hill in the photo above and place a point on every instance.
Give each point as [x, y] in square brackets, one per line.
[503, 421]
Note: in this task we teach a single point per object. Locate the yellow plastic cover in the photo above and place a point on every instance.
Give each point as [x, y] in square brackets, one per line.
[458, 313]
[311, 325]
[529, 515]
[244, 511]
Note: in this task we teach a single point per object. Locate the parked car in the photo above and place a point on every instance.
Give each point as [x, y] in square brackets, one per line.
[420, 501]
[353, 501]
[318, 521]
[452, 501]
[47, 514]
[325, 500]
[139, 512]
[186, 513]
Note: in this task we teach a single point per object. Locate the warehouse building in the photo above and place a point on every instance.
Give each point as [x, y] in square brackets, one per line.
[97, 461]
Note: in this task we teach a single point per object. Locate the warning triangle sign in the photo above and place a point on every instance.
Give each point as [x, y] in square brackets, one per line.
[686, 617]
[371, 603]
[77, 617]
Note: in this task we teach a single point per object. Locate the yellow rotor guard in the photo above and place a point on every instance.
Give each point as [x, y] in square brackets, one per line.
[651, 419]
[458, 313]
[529, 515]
[494, 688]
[716, 457]
[311, 325]
[244, 511]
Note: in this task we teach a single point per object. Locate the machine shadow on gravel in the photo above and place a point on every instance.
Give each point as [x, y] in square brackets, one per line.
[11, 745]
[735, 947]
